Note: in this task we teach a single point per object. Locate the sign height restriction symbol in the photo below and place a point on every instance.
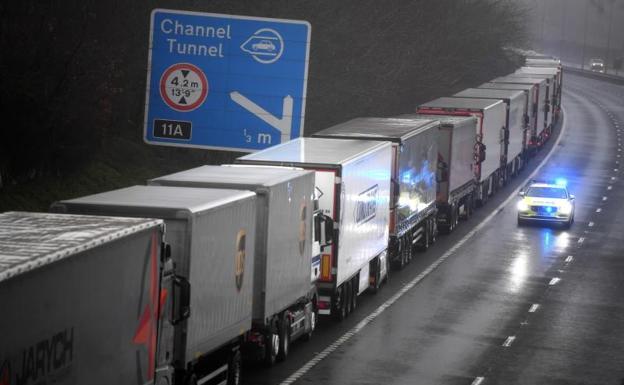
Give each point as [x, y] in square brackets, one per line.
[183, 87]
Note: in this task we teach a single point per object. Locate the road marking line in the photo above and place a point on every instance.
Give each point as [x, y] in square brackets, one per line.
[554, 281]
[368, 319]
[569, 259]
[590, 224]
[604, 198]
[509, 341]
[478, 381]
[581, 240]
[609, 187]
[534, 308]
[598, 210]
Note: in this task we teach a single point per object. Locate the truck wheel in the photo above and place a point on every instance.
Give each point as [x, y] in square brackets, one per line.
[308, 335]
[354, 290]
[271, 347]
[339, 304]
[234, 374]
[348, 296]
[284, 337]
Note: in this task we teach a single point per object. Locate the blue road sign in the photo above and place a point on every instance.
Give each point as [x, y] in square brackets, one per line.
[225, 82]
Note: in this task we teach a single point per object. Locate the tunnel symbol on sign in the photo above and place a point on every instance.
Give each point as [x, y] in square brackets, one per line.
[265, 46]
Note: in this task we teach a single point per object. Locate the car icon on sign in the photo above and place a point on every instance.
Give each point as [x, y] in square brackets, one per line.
[263, 45]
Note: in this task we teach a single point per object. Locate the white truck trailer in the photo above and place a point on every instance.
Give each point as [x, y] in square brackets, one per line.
[552, 100]
[541, 105]
[83, 299]
[515, 133]
[456, 187]
[353, 188]
[212, 239]
[530, 91]
[490, 137]
[287, 257]
[413, 191]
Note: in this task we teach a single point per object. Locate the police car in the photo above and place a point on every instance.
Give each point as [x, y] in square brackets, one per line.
[546, 202]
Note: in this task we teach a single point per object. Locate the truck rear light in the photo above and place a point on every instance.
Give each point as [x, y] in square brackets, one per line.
[326, 267]
[322, 305]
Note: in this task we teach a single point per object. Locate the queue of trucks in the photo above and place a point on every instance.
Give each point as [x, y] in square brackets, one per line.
[189, 277]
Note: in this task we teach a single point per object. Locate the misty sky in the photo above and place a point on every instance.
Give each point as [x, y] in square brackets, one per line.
[563, 21]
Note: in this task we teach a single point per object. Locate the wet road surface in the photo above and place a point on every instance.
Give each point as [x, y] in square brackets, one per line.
[494, 303]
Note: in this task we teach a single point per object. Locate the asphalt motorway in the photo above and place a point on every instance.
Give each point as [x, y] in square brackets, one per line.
[494, 303]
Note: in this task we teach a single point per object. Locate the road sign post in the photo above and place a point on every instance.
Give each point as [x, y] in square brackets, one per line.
[225, 82]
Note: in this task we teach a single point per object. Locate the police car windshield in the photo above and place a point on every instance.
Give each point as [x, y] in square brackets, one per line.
[546, 192]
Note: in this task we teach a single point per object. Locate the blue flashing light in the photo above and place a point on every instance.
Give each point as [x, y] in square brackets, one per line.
[561, 182]
[549, 209]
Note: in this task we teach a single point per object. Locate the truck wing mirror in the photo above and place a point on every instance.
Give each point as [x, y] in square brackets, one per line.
[181, 299]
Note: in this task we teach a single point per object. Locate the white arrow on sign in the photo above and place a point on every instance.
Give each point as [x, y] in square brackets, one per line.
[284, 124]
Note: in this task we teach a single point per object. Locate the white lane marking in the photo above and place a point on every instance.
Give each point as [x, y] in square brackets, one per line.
[615, 169]
[509, 341]
[569, 259]
[554, 281]
[598, 210]
[477, 381]
[590, 224]
[368, 319]
[604, 198]
[534, 308]
[581, 240]
[609, 187]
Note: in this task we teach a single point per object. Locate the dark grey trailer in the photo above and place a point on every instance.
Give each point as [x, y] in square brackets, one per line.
[83, 299]
[414, 160]
[212, 236]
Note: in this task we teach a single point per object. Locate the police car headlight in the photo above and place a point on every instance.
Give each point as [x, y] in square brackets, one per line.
[522, 206]
[565, 208]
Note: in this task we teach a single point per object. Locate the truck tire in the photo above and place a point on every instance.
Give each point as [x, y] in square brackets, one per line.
[348, 297]
[271, 347]
[284, 337]
[340, 312]
[235, 369]
[354, 296]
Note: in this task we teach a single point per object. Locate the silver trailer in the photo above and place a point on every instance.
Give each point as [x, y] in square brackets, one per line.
[490, 136]
[414, 162]
[83, 299]
[516, 117]
[553, 90]
[549, 68]
[530, 91]
[353, 188]
[212, 238]
[541, 104]
[284, 293]
[456, 187]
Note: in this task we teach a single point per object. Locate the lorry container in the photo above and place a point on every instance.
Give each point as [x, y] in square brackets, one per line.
[285, 269]
[530, 91]
[414, 162]
[548, 68]
[554, 88]
[455, 187]
[516, 116]
[490, 137]
[353, 186]
[83, 299]
[211, 233]
[541, 105]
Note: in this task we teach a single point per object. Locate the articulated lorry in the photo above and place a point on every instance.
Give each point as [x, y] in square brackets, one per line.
[287, 252]
[488, 151]
[456, 187]
[211, 234]
[84, 299]
[353, 189]
[530, 91]
[515, 123]
[413, 188]
[540, 105]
